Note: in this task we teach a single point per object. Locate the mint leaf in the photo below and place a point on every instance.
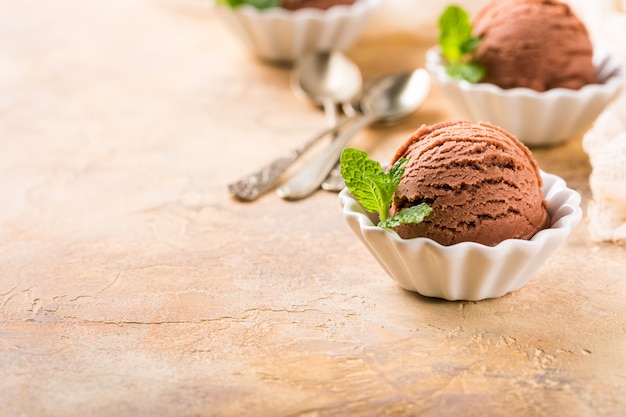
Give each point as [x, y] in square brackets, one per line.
[457, 43]
[466, 71]
[395, 174]
[259, 4]
[367, 181]
[454, 30]
[386, 184]
[409, 215]
[374, 188]
[469, 45]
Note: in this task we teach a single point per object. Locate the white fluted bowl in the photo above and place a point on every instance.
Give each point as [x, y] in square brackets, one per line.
[536, 118]
[281, 35]
[467, 270]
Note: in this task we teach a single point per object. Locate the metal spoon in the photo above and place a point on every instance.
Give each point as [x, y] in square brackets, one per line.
[334, 181]
[327, 78]
[386, 101]
[311, 82]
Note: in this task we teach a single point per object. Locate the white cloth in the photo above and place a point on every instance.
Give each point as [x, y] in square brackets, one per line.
[605, 142]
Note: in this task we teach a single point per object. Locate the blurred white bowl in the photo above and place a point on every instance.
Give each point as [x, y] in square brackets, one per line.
[536, 118]
[281, 35]
[468, 270]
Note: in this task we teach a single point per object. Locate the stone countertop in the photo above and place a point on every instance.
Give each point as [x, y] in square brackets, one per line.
[131, 284]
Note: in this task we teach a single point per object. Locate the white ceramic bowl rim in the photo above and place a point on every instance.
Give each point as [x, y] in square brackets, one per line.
[309, 13]
[609, 68]
[563, 206]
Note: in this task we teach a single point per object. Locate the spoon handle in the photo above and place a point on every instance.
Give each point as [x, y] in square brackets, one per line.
[309, 178]
[252, 186]
[334, 181]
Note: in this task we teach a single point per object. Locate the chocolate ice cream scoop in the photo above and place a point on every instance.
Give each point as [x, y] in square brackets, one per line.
[537, 44]
[482, 183]
[316, 4]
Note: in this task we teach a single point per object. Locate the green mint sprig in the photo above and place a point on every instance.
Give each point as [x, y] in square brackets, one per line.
[374, 188]
[259, 4]
[457, 43]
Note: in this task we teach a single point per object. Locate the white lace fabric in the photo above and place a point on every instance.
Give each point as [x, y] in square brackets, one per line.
[605, 143]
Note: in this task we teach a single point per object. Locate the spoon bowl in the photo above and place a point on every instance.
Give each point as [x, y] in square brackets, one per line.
[327, 79]
[319, 75]
[395, 97]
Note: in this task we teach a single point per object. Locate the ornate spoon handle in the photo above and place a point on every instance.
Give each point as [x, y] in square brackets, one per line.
[252, 186]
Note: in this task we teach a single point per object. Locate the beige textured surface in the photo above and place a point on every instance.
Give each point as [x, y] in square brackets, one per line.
[132, 285]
